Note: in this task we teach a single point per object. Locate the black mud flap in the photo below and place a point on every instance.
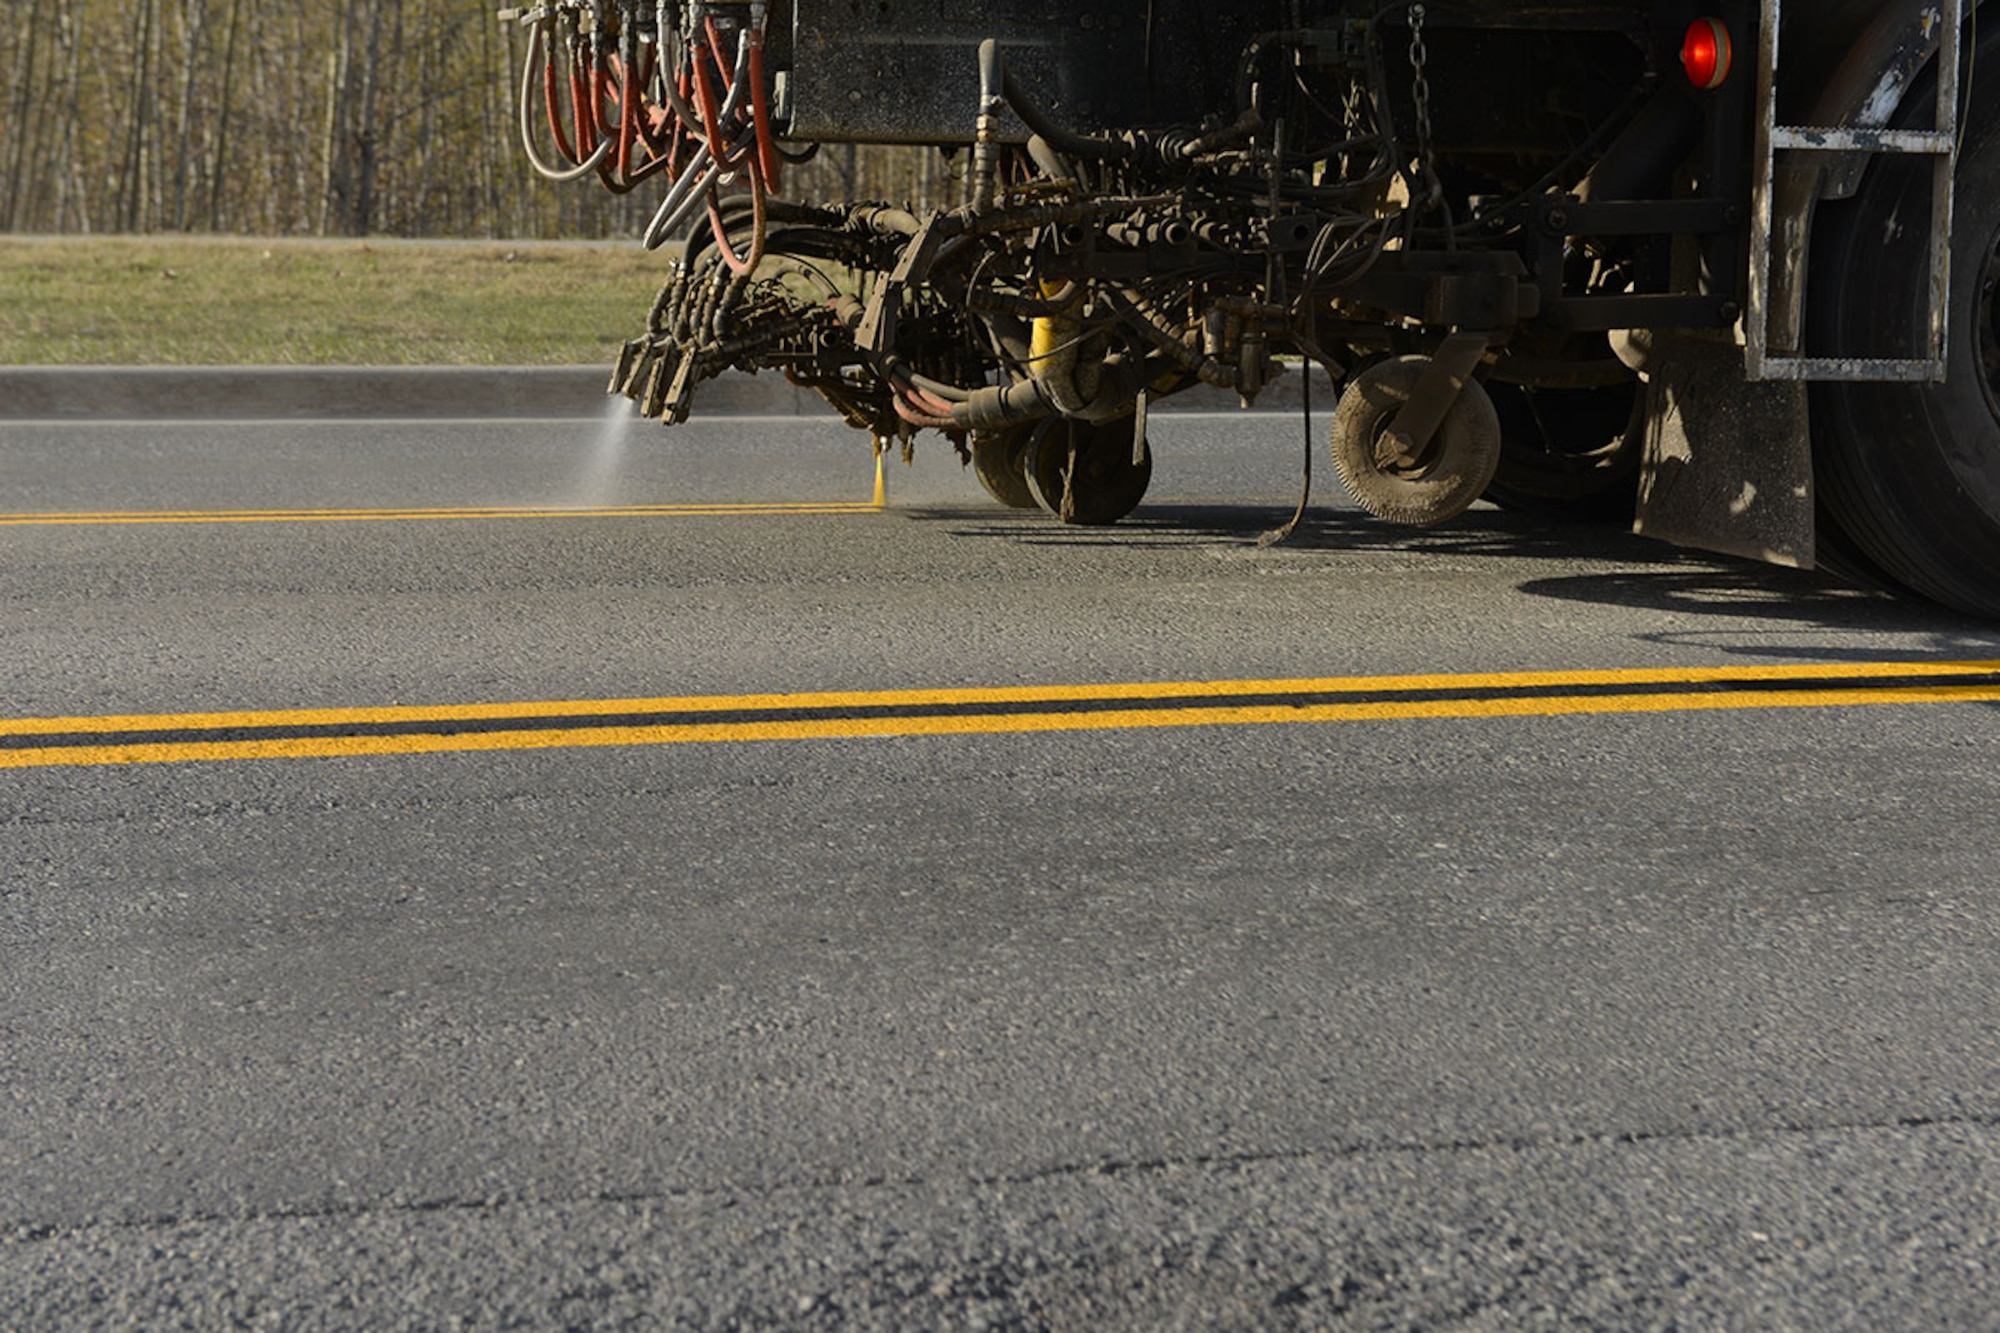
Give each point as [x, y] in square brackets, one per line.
[1728, 463]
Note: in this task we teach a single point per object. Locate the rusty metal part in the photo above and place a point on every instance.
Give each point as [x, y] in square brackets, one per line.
[1445, 376]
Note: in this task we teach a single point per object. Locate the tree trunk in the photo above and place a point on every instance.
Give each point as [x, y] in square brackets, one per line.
[72, 168]
[194, 27]
[334, 191]
[219, 161]
[24, 105]
[367, 132]
[132, 169]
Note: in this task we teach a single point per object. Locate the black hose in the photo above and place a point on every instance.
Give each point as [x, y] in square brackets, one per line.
[999, 408]
[986, 133]
[737, 206]
[1064, 140]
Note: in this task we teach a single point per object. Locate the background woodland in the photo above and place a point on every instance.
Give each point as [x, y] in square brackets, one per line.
[316, 118]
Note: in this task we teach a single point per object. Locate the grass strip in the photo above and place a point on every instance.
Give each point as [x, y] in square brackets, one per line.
[200, 301]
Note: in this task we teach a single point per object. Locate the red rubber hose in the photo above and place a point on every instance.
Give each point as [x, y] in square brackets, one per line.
[768, 161]
[628, 121]
[711, 115]
[554, 102]
[586, 123]
[756, 228]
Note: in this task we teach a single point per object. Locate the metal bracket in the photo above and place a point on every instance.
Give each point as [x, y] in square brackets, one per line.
[1417, 421]
[877, 329]
[1485, 290]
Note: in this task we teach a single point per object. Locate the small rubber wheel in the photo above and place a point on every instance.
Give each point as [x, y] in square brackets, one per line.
[1437, 485]
[1101, 485]
[1000, 461]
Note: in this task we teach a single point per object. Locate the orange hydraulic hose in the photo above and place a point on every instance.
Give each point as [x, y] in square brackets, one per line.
[643, 150]
[719, 53]
[711, 115]
[600, 86]
[656, 144]
[586, 120]
[757, 230]
[555, 111]
[919, 415]
[684, 137]
[768, 161]
[628, 120]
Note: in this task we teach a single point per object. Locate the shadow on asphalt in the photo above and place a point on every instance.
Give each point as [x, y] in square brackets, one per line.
[1651, 575]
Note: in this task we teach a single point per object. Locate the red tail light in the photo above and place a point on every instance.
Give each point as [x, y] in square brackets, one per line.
[1705, 54]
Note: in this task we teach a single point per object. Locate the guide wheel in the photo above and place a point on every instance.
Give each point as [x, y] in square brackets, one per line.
[1443, 478]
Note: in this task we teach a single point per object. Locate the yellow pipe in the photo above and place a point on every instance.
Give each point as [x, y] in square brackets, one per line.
[1050, 332]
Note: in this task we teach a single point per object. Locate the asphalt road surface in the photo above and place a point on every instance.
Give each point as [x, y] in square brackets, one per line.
[564, 873]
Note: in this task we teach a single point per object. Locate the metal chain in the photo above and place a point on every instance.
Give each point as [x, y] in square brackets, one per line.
[1420, 91]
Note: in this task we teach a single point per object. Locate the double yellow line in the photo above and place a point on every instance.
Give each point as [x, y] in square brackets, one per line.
[305, 733]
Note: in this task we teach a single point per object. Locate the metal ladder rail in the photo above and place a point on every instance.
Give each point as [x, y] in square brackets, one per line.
[1940, 143]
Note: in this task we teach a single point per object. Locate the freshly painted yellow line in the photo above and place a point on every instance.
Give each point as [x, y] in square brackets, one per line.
[113, 519]
[849, 728]
[963, 696]
[1056, 719]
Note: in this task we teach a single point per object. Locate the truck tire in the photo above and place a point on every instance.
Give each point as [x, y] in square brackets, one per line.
[1569, 454]
[1910, 473]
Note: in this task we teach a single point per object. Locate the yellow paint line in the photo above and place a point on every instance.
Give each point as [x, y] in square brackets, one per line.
[850, 728]
[997, 723]
[963, 697]
[114, 519]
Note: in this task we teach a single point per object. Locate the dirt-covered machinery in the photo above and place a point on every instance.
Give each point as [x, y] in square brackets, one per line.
[1727, 266]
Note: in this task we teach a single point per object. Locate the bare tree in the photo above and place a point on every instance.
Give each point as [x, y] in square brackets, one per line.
[193, 16]
[225, 107]
[135, 169]
[328, 116]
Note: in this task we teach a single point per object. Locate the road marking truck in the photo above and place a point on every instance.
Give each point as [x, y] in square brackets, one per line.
[1725, 267]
